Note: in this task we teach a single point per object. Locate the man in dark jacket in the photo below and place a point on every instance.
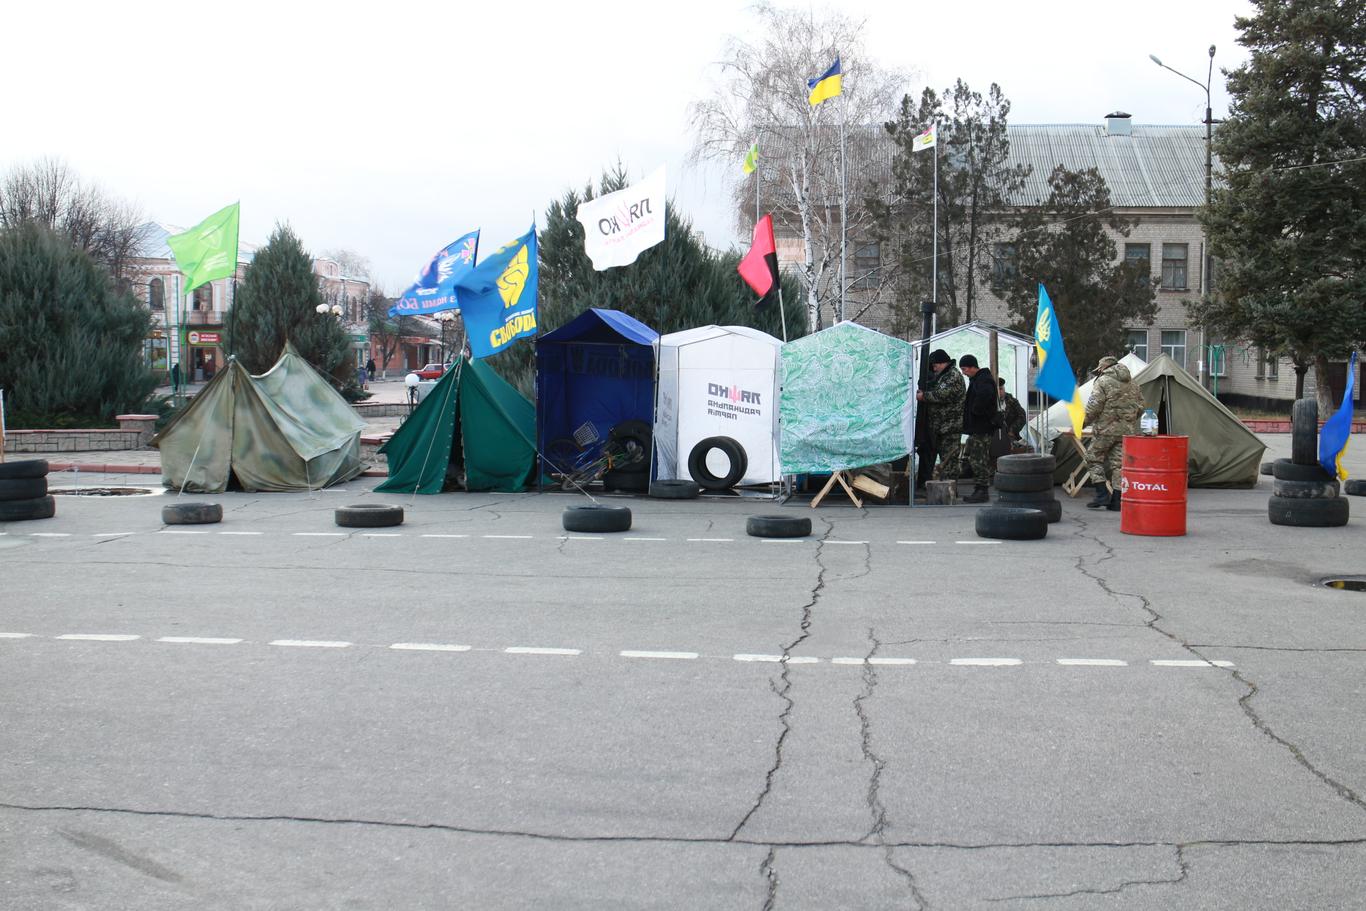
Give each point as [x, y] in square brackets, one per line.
[979, 423]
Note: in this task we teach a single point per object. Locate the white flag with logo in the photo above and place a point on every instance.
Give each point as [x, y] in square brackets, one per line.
[925, 140]
[619, 226]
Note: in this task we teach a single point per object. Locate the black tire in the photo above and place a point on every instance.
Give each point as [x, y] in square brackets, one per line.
[1304, 432]
[1046, 503]
[1355, 488]
[26, 468]
[778, 526]
[1266, 468]
[697, 463]
[635, 437]
[1305, 490]
[1308, 513]
[596, 518]
[22, 488]
[191, 513]
[1023, 483]
[1026, 463]
[23, 510]
[1286, 470]
[631, 480]
[1009, 523]
[674, 490]
[369, 515]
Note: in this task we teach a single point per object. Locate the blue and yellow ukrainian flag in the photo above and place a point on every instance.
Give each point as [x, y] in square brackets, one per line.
[1337, 429]
[827, 85]
[1056, 377]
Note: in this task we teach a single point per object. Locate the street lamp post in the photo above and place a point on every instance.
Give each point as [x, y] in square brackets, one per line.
[1206, 259]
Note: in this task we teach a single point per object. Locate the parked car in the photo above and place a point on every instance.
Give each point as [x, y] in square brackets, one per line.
[432, 371]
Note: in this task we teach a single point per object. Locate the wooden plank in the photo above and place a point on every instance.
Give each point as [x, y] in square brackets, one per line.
[871, 487]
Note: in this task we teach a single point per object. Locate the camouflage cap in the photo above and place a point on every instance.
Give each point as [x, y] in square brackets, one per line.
[1105, 364]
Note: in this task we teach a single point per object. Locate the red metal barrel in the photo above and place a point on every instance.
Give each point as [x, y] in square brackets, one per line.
[1154, 477]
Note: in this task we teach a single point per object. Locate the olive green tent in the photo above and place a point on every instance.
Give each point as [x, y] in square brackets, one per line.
[493, 422]
[1222, 451]
[286, 429]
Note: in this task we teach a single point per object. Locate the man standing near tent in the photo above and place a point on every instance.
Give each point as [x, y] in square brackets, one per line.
[945, 395]
[1113, 411]
[1013, 417]
[980, 418]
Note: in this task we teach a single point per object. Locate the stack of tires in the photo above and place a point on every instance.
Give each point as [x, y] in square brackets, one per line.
[728, 452]
[1302, 493]
[1025, 481]
[23, 491]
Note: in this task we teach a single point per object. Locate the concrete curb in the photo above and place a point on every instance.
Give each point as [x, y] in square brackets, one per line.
[103, 469]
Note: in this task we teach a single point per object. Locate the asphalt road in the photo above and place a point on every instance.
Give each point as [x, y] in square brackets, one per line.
[475, 710]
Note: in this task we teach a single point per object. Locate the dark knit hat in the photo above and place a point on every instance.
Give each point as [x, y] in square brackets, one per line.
[967, 360]
[940, 356]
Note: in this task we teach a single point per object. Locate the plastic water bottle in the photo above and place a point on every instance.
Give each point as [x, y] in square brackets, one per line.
[1148, 423]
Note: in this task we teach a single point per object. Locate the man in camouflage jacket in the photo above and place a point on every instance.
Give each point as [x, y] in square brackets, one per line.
[1013, 417]
[1113, 411]
[945, 394]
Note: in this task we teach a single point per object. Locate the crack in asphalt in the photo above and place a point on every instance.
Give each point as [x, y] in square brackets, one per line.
[782, 689]
[680, 839]
[876, 807]
[1277, 648]
[1244, 702]
[1183, 873]
[769, 870]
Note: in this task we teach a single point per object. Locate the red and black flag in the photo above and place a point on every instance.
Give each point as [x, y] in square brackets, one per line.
[759, 268]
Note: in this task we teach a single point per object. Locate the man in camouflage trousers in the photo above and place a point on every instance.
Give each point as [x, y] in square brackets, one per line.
[945, 394]
[1013, 417]
[1113, 411]
[981, 417]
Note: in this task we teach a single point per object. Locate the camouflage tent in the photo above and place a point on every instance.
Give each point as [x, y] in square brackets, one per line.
[286, 429]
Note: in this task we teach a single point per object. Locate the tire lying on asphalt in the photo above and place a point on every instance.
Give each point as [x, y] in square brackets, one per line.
[697, 463]
[1286, 470]
[369, 515]
[1355, 488]
[1304, 432]
[1029, 463]
[778, 526]
[22, 488]
[1308, 513]
[23, 510]
[1024, 483]
[1010, 523]
[1305, 490]
[26, 468]
[1044, 502]
[665, 489]
[596, 517]
[191, 513]
[1266, 468]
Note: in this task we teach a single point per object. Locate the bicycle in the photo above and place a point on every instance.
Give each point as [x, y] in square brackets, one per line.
[580, 461]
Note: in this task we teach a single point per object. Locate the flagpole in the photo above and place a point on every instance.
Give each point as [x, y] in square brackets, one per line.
[934, 230]
[844, 108]
[756, 179]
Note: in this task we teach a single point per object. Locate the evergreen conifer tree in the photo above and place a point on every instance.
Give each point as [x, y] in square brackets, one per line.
[70, 341]
[277, 301]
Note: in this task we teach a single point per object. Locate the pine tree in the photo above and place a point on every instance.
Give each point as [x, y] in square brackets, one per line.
[70, 341]
[277, 301]
[1288, 224]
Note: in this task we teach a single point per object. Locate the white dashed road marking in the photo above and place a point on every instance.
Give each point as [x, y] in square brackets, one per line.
[687, 656]
[16, 635]
[1092, 662]
[985, 662]
[50, 534]
[637, 538]
[846, 542]
[579, 538]
[198, 640]
[428, 647]
[533, 650]
[99, 637]
[791, 659]
[310, 643]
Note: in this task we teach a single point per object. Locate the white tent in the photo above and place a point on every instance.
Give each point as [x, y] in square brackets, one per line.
[717, 381]
[1012, 351]
[1058, 419]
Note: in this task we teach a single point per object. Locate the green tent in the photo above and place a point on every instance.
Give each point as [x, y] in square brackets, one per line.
[286, 429]
[495, 424]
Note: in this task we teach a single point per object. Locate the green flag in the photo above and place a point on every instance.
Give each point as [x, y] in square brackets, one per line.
[752, 159]
[209, 249]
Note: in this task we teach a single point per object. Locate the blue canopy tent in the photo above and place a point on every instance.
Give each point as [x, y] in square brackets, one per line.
[598, 368]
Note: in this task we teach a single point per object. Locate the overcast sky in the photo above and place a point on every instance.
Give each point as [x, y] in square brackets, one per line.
[391, 128]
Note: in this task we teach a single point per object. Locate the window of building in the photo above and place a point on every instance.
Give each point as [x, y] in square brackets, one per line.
[1004, 267]
[1136, 340]
[1174, 267]
[202, 297]
[1174, 345]
[1273, 367]
[1140, 256]
[867, 266]
[1218, 360]
[156, 294]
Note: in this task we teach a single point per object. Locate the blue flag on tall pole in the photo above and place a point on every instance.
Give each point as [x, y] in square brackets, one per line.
[1338, 428]
[498, 297]
[1056, 376]
[434, 288]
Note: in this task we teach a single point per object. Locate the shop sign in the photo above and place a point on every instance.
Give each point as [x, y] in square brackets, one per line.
[204, 338]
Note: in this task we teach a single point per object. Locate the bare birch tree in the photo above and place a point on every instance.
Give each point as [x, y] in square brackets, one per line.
[761, 97]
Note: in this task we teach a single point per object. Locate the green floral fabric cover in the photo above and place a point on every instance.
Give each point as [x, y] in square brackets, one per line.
[846, 399]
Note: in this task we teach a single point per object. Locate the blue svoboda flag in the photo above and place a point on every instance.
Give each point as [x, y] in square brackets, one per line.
[498, 297]
[1056, 377]
[1337, 429]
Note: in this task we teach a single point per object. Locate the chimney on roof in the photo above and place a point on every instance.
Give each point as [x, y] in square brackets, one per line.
[1117, 124]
